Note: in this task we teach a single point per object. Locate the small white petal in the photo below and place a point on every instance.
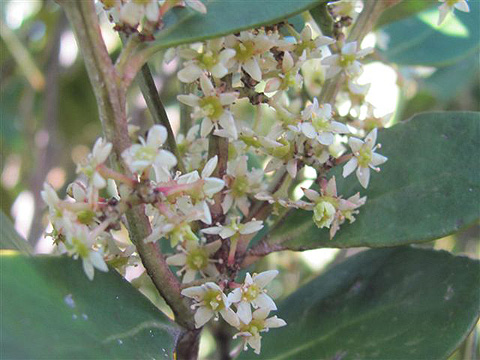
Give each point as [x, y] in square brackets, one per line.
[213, 186]
[190, 99]
[214, 230]
[156, 136]
[355, 144]
[206, 85]
[97, 260]
[378, 159]
[207, 126]
[230, 317]
[166, 158]
[212, 248]
[88, 269]
[264, 278]
[235, 296]
[251, 227]
[244, 312]
[253, 69]
[227, 232]
[350, 166]
[265, 302]
[363, 175]
[194, 292]
[274, 322]
[308, 130]
[326, 138]
[371, 138]
[210, 167]
[189, 74]
[177, 260]
[311, 194]
[189, 276]
[202, 316]
[98, 181]
[462, 5]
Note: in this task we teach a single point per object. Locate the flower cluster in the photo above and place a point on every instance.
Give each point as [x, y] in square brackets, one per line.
[259, 121]
[210, 300]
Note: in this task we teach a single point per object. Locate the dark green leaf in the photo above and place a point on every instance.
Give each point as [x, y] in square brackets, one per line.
[323, 19]
[183, 26]
[404, 9]
[418, 41]
[9, 238]
[398, 303]
[447, 82]
[50, 310]
[428, 188]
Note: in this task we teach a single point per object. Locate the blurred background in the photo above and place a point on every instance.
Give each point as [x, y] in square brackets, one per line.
[49, 118]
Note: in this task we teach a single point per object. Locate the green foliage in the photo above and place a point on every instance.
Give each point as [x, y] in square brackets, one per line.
[429, 188]
[417, 40]
[9, 238]
[404, 9]
[52, 311]
[183, 26]
[381, 304]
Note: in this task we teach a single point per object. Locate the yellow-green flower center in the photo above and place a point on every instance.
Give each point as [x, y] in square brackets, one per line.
[208, 60]
[182, 232]
[346, 59]
[213, 300]
[142, 2]
[319, 123]
[211, 107]
[240, 186]
[85, 216]
[197, 259]
[254, 327]
[364, 156]
[244, 51]
[251, 293]
[323, 214]
[80, 247]
[145, 153]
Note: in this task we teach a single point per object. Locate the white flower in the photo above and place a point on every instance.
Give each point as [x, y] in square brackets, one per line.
[318, 124]
[449, 5]
[196, 258]
[346, 60]
[250, 332]
[212, 108]
[100, 152]
[308, 46]
[248, 48]
[234, 228]
[210, 301]
[141, 156]
[212, 59]
[364, 158]
[134, 11]
[79, 242]
[241, 183]
[252, 293]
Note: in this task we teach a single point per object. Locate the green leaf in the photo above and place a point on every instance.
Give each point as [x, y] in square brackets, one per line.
[428, 188]
[184, 26]
[403, 10]
[401, 303]
[50, 310]
[449, 81]
[9, 238]
[419, 41]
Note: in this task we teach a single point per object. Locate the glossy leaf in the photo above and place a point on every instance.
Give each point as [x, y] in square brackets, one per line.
[183, 26]
[50, 310]
[404, 9]
[417, 40]
[401, 303]
[428, 188]
[10, 239]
